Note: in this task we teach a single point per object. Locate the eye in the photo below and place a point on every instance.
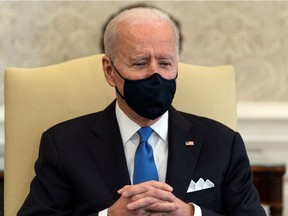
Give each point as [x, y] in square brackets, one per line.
[165, 63]
[139, 64]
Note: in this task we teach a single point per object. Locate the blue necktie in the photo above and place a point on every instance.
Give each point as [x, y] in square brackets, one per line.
[144, 165]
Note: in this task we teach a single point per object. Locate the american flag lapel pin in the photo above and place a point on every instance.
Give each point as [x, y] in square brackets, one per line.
[189, 143]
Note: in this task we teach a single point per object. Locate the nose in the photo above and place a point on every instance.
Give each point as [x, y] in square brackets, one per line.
[153, 68]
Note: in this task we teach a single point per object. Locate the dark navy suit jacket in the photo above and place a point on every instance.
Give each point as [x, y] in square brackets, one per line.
[82, 164]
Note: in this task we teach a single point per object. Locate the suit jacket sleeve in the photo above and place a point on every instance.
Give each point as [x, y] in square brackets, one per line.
[50, 193]
[239, 196]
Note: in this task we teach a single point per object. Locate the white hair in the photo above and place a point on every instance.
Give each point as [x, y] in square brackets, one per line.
[137, 15]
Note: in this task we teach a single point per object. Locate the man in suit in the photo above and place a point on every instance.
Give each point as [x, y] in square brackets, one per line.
[91, 165]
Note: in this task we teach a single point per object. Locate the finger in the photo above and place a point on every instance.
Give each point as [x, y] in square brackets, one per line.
[120, 191]
[160, 185]
[164, 207]
[152, 204]
[142, 203]
[156, 193]
[145, 186]
[137, 189]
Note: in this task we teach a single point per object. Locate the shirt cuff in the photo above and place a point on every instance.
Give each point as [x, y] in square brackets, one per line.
[103, 213]
[197, 209]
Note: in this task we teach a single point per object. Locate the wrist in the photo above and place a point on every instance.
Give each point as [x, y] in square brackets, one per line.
[191, 209]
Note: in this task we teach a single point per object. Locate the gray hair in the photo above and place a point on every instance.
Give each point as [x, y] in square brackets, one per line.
[135, 16]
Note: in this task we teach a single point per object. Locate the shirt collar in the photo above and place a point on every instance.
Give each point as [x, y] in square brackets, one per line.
[128, 127]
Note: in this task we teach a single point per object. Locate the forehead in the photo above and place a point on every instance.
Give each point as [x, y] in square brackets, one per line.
[146, 34]
[145, 26]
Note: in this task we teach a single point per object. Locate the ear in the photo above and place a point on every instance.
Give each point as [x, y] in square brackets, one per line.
[108, 70]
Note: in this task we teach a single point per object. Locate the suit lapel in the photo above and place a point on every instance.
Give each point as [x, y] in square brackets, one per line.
[108, 152]
[182, 158]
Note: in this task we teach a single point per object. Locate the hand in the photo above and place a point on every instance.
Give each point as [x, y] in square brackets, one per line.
[139, 199]
[149, 198]
[176, 207]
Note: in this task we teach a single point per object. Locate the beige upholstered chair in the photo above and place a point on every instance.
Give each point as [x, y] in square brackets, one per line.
[36, 99]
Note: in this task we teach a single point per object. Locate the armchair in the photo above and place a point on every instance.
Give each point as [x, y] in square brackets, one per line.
[38, 98]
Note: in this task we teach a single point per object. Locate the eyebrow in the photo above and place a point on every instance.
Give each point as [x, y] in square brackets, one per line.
[145, 57]
[166, 58]
[140, 57]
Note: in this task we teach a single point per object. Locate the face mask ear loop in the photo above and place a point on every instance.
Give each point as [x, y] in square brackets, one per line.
[120, 76]
[119, 93]
[116, 69]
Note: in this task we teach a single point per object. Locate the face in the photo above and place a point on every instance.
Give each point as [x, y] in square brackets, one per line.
[144, 49]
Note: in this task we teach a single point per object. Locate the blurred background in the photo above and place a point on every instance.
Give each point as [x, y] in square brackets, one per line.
[250, 35]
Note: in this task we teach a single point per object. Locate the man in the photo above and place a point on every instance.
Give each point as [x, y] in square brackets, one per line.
[93, 165]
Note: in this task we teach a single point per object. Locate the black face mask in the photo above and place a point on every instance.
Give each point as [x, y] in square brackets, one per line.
[150, 97]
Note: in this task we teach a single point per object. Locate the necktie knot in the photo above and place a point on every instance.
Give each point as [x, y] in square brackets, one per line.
[145, 133]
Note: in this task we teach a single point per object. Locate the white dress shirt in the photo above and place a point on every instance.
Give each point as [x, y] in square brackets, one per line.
[158, 140]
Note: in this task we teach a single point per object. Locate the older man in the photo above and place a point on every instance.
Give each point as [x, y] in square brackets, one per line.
[131, 158]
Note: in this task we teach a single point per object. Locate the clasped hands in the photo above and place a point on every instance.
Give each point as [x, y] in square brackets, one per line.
[150, 198]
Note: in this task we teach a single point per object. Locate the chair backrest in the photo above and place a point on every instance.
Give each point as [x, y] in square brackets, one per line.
[38, 98]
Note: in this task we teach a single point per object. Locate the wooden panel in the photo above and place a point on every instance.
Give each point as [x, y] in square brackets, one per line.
[268, 179]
